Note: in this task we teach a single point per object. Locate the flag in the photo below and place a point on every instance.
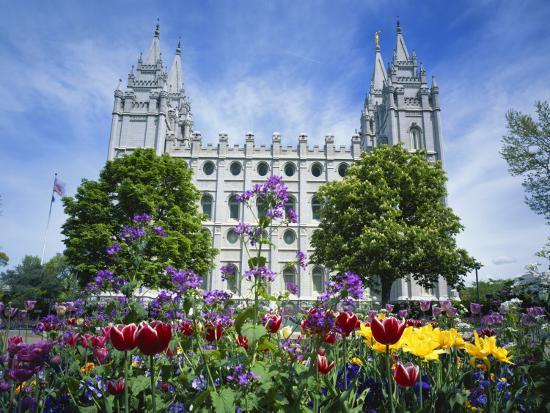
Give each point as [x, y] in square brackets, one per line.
[58, 188]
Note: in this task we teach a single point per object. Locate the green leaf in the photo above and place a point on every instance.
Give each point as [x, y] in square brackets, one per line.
[254, 333]
[138, 384]
[244, 315]
[224, 401]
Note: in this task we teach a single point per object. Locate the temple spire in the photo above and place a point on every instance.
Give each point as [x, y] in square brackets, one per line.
[401, 53]
[379, 75]
[175, 77]
[153, 54]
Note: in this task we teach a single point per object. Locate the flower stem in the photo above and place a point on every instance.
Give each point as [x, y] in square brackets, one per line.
[388, 370]
[420, 385]
[126, 405]
[152, 368]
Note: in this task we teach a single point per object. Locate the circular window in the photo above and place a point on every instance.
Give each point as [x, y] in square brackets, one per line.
[232, 236]
[317, 169]
[263, 169]
[289, 236]
[290, 169]
[342, 168]
[208, 168]
[235, 168]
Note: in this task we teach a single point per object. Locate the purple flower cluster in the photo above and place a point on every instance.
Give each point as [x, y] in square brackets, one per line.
[273, 193]
[184, 280]
[492, 318]
[348, 286]
[113, 249]
[131, 233]
[242, 377]
[159, 231]
[107, 278]
[291, 215]
[476, 308]
[302, 259]
[142, 218]
[157, 304]
[536, 312]
[293, 347]
[27, 359]
[228, 271]
[424, 305]
[216, 297]
[292, 288]
[262, 272]
[318, 321]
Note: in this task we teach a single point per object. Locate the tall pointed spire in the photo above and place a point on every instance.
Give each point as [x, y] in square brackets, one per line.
[379, 75]
[153, 55]
[401, 52]
[175, 77]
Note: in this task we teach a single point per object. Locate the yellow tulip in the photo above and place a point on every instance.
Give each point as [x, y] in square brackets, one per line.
[285, 332]
[484, 347]
[357, 360]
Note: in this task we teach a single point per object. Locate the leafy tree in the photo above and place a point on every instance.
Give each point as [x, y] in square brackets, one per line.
[138, 183]
[32, 281]
[387, 220]
[3, 259]
[526, 148]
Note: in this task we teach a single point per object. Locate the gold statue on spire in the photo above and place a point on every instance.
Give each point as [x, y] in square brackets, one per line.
[377, 39]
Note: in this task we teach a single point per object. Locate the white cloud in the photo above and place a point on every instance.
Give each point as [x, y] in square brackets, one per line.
[503, 259]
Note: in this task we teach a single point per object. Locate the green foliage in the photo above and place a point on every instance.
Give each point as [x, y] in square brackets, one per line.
[32, 281]
[488, 290]
[138, 183]
[3, 259]
[387, 219]
[526, 148]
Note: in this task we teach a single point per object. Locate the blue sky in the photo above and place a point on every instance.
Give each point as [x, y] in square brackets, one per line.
[266, 66]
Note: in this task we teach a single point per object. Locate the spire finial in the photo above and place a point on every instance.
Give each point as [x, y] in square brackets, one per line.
[157, 28]
[178, 48]
[398, 25]
[377, 39]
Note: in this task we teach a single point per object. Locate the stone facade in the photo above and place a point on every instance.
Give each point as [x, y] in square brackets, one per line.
[154, 112]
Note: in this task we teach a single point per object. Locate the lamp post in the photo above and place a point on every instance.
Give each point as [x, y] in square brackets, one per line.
[477, 266]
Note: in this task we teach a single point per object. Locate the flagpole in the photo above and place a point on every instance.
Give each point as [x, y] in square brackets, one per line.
[48, 222]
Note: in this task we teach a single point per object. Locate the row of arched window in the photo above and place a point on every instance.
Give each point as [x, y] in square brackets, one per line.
[262, 168]
[289, 277]
[207, 206]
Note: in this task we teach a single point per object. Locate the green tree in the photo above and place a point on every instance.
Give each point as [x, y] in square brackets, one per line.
[32, 281]
[526, 148]
[387, 220]
[138, 183]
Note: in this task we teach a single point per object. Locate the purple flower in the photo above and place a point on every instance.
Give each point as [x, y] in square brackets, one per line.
[436, 311]
[228, 271]
[302, 259]
[492, 318]
[184, 280]
[445, 305]
[113, 249]
[10, 311]
[291, 215]
[215, 297]
[292, 288]
[475, 308]
[4, 386]
[451, 311]
[2, 306]
[242, 229]
[245, 196]
[535, 312]
[29, 305]
[403, 313]
[424, 305]
[160, 231]
[372, 314]
[389, 308]
[142, 218]
[19, 375]
[262, 272]
[242, 377]
[130, 233]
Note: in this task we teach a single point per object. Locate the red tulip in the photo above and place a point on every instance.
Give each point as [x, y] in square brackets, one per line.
[107, 331]
[123, 337]
[213, 333]
[186, 328]
[243, 341]
[153, 338]
[71, 340]
[101, 354]
[406, 375]
[322, 364]
[330, 338]
[346, 323]
[388, 331]
[86, 340]
[115, 386]
[272, 322]
[98, 341]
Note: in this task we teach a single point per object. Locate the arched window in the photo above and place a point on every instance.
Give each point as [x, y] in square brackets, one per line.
[235, 168]
[316, 208]
[290, 169]
[289, 276]
[208, 168]
[234, 207]
[316, 169]
[290, 204]
[233, 280]
[289, 236]
[342, 169]
[415, 135]
[263, 168]
[206, 203]
[318, 276]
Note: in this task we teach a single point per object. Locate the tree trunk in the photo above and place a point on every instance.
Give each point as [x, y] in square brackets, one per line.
[385, 289]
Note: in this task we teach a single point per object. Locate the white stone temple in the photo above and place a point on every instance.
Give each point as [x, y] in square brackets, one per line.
[154, 112]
